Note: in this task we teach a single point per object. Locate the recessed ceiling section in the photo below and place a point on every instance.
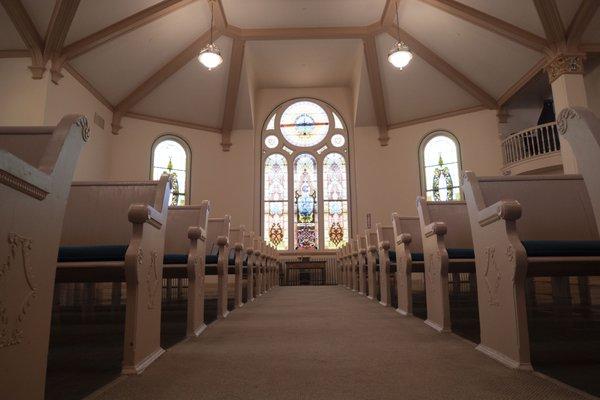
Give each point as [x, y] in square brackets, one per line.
[9, 36]
[491, 61]
[303, 63]
[40, 12]
[193, 94]
[517, 12]
[405, 94]
[302, 13]
[592, 33]
[567, 10]
[119, 66]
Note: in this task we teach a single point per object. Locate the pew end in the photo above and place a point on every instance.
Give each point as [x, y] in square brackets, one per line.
[387, 262]
[218, 242]
[239, 259]
[409, 258]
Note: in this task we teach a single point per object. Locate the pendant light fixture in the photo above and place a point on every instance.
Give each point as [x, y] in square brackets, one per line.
[399, 55]
[210, 56]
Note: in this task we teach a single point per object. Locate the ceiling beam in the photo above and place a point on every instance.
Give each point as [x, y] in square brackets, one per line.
[371, 58]
[168, 121]
[298, 33]
[389, 13]
[441, 65]
[552, 23]
[590, 47]
[29, 34]
[493, 24]
[58, 27]
[220, 17]
[528, 76]
[159, 77]
[231, 96]
[17, 53]
[582, 19]
[121, 27]
[436, 117]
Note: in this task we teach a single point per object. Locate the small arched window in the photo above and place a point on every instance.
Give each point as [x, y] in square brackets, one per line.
[171, 155]
[440, 167]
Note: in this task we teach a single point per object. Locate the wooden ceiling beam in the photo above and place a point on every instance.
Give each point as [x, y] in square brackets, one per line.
[168, 121]
[160, 76]
[373, 70]
[29, 34]
[441, 65]
[582, 19]
[299, 33]
[435, 117]
[231, 96]
[389, 13]
[17, 53]
[590, 47]
[58, 27]
[552, 23]
[493, 24]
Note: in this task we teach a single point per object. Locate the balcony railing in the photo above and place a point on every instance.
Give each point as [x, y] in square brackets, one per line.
[529, 143]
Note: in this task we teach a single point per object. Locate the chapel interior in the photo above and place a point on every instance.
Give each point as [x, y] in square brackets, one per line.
[299, 199]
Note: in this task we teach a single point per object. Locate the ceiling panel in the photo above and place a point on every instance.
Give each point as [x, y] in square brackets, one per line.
[365, 111]
[9, 36]
[193, 94]
[592, 33]
[40, 12]
[119, 66]
[491, 61]
[567, 9]
[302, 13]
[93, 15]
[419, 90]
[517, 12]
[303, 63]
[243, 108]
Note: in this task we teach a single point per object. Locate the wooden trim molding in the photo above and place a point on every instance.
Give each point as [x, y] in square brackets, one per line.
[174, 122]
[231, 96]
[551, 22]
[21, 53]
[58, 27]
[590, 47]
[581, 20]
[435, 117]
[441, 65]
[373, 70]
[356, 32]
[524, 80]
[493, 24]
[159, 77]
[22, 22]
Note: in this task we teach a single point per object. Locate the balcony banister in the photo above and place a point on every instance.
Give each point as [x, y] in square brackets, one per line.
[530, 143]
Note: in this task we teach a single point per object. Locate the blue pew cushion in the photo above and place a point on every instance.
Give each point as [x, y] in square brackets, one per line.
[211, 259]
[92, 253]
[392, 255]
[175, 259]
[460, 253]
[562, 248]
[417, 256]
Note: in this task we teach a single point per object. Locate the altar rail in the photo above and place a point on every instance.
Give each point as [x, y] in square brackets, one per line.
[328, 256]
[530, 143]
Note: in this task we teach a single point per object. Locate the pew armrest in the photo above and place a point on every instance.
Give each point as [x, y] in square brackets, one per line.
[142, 213]
[435, 228]
[196, 233]
[405, 238]
[508, 210]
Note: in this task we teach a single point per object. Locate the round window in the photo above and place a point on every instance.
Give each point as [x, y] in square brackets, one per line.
[304, 124]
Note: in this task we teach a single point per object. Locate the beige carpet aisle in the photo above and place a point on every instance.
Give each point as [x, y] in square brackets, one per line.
[327, 343]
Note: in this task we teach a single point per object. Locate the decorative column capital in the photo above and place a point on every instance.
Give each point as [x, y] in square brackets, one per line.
[565, 64]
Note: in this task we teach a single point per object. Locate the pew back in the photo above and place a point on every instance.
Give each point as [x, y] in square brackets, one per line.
[411, 226]
[236, 235]
[180, 219]
[385, 234]
[30, 144]
[217, 227]
[456, 217]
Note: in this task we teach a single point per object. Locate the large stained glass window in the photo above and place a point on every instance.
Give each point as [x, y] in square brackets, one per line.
[171, 155]
[305, 174]
[335, 200]
[305, 202]
[441, 167]
[276, 201]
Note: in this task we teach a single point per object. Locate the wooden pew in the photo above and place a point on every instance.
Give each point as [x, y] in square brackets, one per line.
[347, 266]
[525, 226]
[353, 260]
[385, 238]
[409, 258]
[185, 257]
[258, 262]
[115, 232]
[236, 236]
[218, 243]
[362, 264]
[447, 248]
[36, 169]
[372, 260]
[250, 257]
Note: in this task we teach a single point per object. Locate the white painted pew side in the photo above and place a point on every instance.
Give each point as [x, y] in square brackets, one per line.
[36, 170]
[372, 259]
[218, 241]
[249, 248]
[236, 236]
[409, 258]
[362, 264]
[385, 238]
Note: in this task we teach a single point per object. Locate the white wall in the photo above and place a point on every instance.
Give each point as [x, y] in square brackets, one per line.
[22, 99]
[592, 86]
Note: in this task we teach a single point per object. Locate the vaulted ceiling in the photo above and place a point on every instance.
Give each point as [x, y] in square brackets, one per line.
[139, 56]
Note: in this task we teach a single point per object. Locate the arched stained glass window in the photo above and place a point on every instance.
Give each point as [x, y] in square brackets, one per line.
[335, 200]
[171, 155]
[440, 167]
[276, 201]
[305, 174]
[305, 202]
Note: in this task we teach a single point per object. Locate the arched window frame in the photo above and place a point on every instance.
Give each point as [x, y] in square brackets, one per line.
[272, 126]
[426, 139]
[188, 161]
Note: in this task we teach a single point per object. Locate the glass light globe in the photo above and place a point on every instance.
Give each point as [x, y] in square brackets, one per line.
[400, 55]
[210, 56]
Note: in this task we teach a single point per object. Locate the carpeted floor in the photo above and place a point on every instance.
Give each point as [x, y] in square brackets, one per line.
[323, 342]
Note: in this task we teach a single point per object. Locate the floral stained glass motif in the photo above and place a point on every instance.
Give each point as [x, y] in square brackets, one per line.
[271, 141]
[442, 170]
[335, 201]
[305, 202]
[304, 124]
[170, 157]
[276, 201]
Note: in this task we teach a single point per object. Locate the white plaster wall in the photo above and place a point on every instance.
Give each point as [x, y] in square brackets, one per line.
[387, 179]
[224, 178]
[22, 99]
[592, 87]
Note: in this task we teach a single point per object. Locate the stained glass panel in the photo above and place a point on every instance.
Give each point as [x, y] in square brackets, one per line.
[335, 201]
[170, 157]
[276, 201]
[304, 124]
[305, 203]
[442, 171]
[271, 124]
